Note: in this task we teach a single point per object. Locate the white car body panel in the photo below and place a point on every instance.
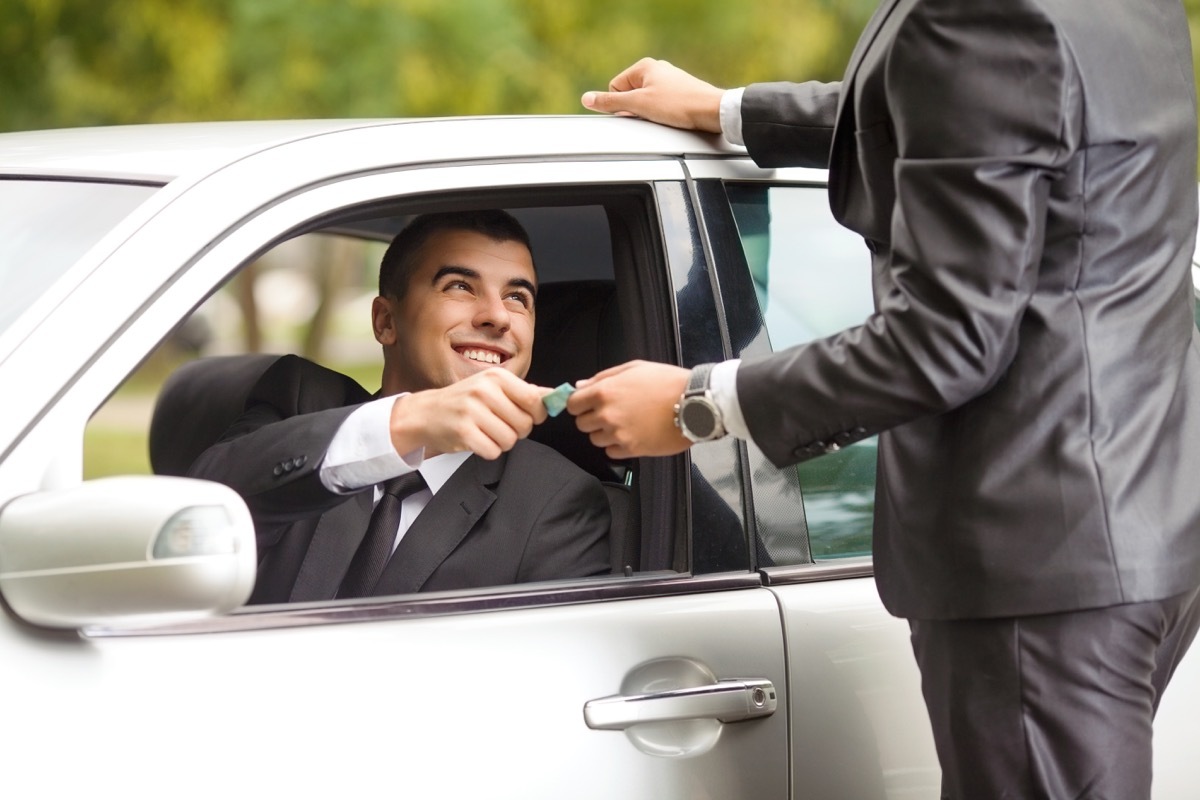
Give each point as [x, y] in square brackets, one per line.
[485, 699]
[438, 707]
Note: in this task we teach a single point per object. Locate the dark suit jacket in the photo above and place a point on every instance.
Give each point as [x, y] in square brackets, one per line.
[529, 515]
[1024, 172]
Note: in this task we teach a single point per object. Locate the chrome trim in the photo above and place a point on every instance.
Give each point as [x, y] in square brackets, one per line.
[831, 570]
[333, 612]
[726, 701]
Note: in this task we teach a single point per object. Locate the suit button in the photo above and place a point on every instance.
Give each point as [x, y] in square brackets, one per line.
[298, 461]
[808, 450]
[842, 439]
[832, 447]
[278, 470]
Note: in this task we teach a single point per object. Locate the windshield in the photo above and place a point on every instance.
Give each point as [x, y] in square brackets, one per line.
[45, 226]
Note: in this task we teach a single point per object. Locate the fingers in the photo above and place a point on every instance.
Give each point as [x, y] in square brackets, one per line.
[486, 414]
[603, 437]
[633, 77]
[629, 409]
[607, 373]
[618, 99]
[660, 92]
[525, 396]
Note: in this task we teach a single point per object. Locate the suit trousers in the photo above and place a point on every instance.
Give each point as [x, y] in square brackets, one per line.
[1054, 705]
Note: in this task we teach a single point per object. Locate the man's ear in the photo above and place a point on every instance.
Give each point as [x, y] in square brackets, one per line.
[383, 321]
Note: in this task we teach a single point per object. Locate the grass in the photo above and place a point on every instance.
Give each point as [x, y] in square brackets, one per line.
[114, 451]
[115, 442]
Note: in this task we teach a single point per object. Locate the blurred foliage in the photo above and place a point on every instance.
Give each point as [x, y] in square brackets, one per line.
[66, 63]
[99, 62]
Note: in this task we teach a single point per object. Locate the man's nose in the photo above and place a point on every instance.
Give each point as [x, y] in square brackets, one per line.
[492, 313]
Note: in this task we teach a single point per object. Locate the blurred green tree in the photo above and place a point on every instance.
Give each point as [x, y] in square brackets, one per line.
[98, 62]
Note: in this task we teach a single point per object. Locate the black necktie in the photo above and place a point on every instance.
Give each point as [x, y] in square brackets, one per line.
[376, 548]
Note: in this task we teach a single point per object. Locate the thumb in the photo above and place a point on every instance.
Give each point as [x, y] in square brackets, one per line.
[607, 102]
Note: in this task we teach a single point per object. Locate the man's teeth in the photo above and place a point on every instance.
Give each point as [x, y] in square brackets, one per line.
[486, 356]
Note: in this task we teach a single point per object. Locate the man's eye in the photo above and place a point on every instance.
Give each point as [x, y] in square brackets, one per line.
[525, 300]
[458, 285]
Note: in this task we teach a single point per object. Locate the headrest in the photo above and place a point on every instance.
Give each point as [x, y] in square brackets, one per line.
[197, 403]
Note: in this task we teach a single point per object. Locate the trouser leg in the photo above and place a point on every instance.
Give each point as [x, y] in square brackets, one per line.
[1051, 706]
[1177, 642]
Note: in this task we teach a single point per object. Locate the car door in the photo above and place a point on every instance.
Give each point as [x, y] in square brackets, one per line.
[789, 273]
[668, 681]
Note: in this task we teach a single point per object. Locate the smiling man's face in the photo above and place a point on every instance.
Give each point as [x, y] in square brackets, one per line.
[468, 306]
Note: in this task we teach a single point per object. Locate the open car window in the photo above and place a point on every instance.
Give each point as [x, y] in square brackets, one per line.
[311, 294]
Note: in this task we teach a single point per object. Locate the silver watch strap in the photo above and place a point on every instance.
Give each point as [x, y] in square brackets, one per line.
[698, 380]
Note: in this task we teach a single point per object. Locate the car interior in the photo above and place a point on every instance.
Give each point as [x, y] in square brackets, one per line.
[599, 303]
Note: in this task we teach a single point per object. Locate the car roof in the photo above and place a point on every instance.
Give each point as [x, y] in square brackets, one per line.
[159, 153]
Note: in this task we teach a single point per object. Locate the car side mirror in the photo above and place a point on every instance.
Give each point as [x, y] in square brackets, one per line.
[126, 551]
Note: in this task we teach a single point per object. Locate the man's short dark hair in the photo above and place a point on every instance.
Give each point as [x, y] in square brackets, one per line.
[400, 260]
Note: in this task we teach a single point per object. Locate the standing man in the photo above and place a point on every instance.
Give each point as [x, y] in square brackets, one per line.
[461, 499]
[1024, 175]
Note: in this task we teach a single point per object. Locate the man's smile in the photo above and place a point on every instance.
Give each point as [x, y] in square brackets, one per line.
[482, 355]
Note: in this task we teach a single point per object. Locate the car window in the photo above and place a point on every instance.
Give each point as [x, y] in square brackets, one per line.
[311, 295]
[811, 277]
[45, 226]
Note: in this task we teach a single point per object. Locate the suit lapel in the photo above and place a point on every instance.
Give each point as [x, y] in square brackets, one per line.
[874, 24]
[842, 155]
[441, 527]
[338, 534]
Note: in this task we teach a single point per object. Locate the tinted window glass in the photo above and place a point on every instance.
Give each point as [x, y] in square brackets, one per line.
[813, 279]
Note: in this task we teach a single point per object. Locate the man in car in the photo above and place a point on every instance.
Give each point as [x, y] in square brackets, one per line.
[430, 485]
[1023, 174]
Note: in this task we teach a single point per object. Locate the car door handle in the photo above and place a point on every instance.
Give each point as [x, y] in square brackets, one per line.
[726, 701]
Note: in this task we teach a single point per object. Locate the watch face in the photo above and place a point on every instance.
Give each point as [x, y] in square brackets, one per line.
[698, 419]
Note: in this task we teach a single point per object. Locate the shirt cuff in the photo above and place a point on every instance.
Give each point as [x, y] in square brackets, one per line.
[361, 452]
[731, 116]
[722, 383]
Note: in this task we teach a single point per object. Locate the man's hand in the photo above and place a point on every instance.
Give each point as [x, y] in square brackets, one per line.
[663, 93]
[485, 413]
[629, 410]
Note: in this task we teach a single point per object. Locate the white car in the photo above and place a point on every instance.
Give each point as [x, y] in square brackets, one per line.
[738, 650]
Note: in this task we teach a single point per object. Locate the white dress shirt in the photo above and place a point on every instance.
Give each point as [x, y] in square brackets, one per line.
[361, 454]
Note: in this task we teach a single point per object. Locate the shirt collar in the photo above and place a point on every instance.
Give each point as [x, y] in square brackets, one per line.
[438, 469]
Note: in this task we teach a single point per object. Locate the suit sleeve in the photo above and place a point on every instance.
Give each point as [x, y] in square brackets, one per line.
[790, 124]
[977, 142]
[569, 539]
[272, 453]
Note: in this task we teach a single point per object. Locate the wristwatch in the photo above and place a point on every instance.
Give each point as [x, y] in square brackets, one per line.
[696, 415]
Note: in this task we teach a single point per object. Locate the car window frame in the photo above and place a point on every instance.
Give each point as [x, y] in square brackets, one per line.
[740, 304]
[118, 355]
